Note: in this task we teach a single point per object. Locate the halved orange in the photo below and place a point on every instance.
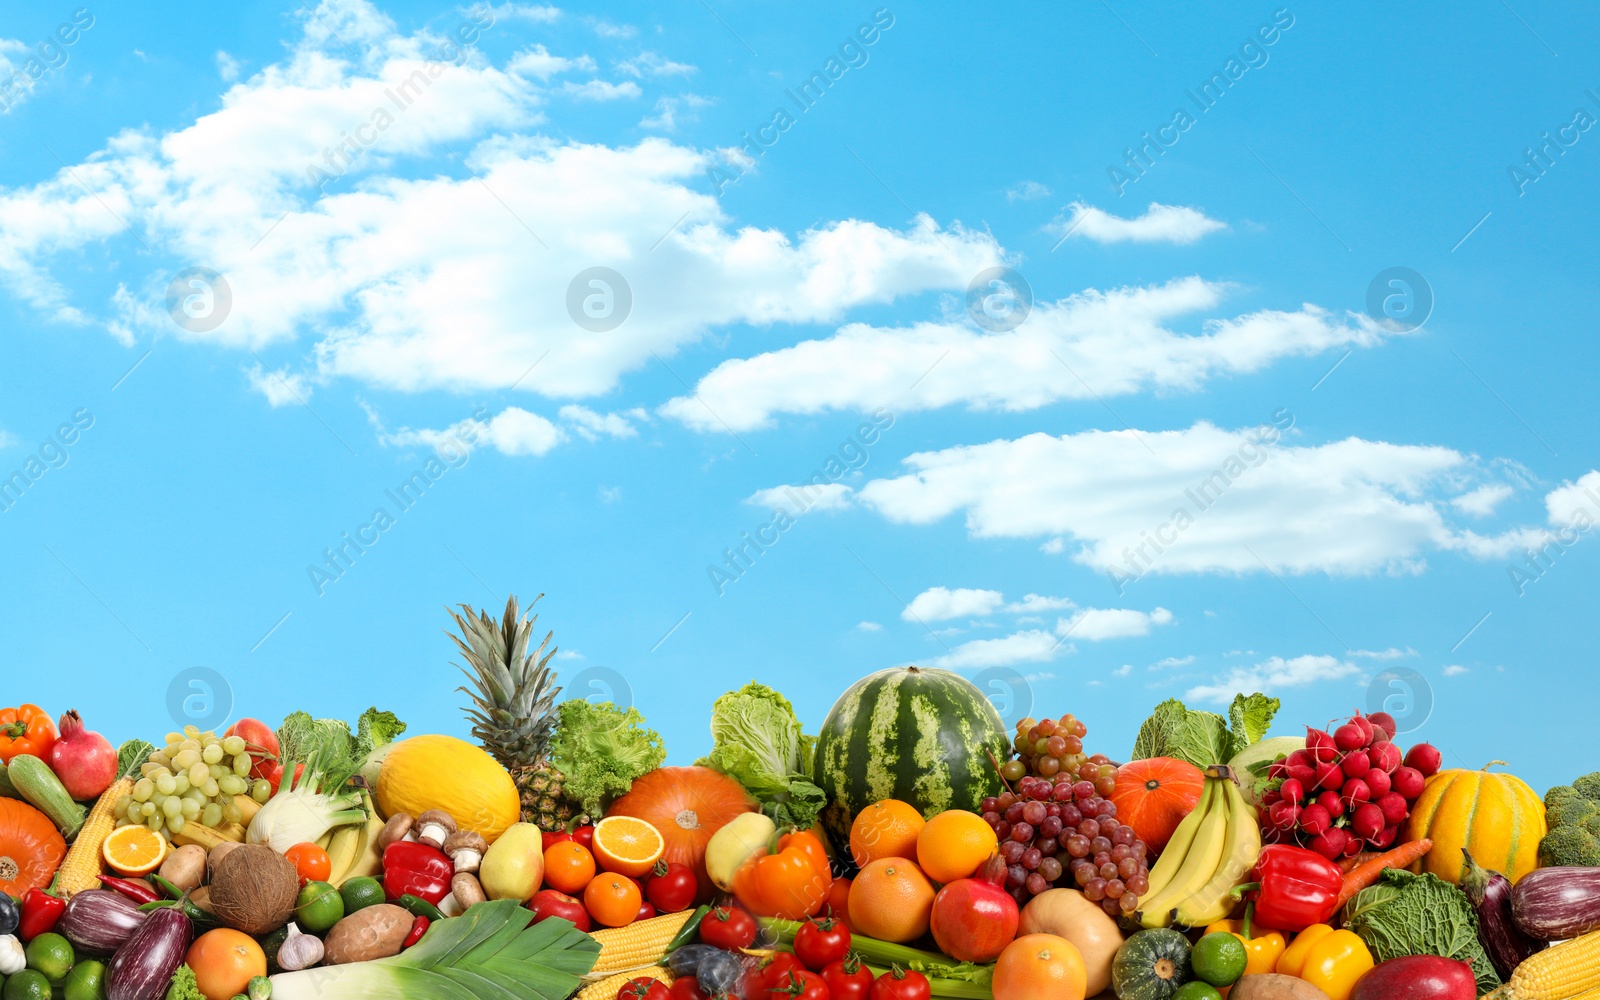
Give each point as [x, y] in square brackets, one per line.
[134, 850]
[627, 845]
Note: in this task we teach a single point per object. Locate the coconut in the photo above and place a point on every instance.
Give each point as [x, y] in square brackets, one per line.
[254, 889]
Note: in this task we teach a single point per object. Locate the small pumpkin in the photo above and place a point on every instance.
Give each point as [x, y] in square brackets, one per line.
[31, 848]
[1496, 817]
[1155, 794]
[688, 805]
[1151, 965]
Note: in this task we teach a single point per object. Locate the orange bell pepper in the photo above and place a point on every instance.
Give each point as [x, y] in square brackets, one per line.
[791, 883]
[27, 729]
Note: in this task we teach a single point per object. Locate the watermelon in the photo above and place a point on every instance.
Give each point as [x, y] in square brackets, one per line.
[917, 734]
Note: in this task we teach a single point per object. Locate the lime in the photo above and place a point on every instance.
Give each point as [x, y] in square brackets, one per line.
[29, 984]
[52, 955]
[1197, 990]
[318, 907]
[1218, 959]
[361, 892]
[86, 981]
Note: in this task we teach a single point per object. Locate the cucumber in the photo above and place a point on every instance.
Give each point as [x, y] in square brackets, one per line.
[7, 789]
[40, 786]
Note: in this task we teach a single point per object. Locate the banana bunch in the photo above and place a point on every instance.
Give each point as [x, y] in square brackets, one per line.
[1212, 851]
[353, 848]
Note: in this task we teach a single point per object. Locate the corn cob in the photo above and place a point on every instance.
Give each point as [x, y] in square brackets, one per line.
[637, 945]
[607, 989]
[83, 865]
[1560, 972]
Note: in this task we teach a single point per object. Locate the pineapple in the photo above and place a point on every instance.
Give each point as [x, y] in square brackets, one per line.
[513, 711]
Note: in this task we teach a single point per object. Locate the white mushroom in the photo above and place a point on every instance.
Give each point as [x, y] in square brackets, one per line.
[395, 830]
[434, 826]
[465, 849]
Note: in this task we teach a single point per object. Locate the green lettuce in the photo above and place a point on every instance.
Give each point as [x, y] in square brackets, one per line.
[1408, 914]
[602, 750]
[1204, 738]
[758, 742]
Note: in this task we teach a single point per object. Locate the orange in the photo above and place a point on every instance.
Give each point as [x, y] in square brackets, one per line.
[891, 900]
[612, 899]
[568, 866]
[1040, 967]
[627, 845]
[223, 961]
[886, 829]
[955, 844]
[134, 850]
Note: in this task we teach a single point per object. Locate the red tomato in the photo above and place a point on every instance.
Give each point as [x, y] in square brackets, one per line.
[548, 903]
[671, 887]
[821, 942]
[310, 862]
[646, 911]
[687, 988]
[643, 988]
[728, 927]
[772, 972]
[798, 985]
[901, 984]
[547, 838]
[585, 836]
[848, 979]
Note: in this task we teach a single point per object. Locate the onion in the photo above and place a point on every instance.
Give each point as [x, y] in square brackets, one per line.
[85, 762]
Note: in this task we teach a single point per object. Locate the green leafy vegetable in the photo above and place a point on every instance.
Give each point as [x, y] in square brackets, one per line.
[1204, 738]
[328, 746]
[184, 986]
[758, 742]
[1408, 914]
[131, 755]
[488, 953]
[602, 749]
[375, 729]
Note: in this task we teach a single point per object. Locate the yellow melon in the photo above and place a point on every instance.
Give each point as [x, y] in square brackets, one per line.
[1495, 816]
[442, 772]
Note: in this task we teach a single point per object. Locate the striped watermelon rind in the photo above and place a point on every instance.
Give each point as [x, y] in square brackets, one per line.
[921, 735]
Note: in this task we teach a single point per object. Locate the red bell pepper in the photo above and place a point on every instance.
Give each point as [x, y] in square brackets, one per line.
[40, 911]
[410, 868]
[1295, 887]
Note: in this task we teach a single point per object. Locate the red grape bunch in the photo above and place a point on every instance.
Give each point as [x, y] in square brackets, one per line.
[1348, 790]
[1057, 824]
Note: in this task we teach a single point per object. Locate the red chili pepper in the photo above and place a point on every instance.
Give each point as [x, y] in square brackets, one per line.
[419, 927]
[1296, 887]
[410, 868]
[136, 891]
[40, 911]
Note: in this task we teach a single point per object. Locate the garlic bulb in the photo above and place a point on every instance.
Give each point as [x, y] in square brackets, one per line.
[299, 951]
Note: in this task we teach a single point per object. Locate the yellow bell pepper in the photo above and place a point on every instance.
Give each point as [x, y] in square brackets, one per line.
[1335, 963]
[1294, 958]
[1262, 947]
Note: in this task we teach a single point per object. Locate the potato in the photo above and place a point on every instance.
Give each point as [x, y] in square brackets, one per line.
[1275, 987]
[185, 867]
[370, 933]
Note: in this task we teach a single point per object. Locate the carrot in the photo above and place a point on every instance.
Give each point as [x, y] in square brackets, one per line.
[1367, 873]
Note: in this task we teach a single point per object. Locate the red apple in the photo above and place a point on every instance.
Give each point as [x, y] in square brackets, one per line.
[260, 740]
[548, 903]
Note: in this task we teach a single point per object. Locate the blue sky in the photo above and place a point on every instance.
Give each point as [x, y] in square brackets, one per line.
[798, 311]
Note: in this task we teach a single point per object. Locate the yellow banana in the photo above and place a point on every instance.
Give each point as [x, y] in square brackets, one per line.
[344, 846]
[368, 860]
[1241, 849]
[1177, 847]
[1198, 865]
[324, 840]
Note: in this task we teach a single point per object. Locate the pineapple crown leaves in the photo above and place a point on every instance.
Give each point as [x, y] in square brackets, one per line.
[513, 691]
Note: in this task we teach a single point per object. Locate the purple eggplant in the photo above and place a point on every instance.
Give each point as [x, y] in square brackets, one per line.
[1490, 893]
[1552, 904]
[98, 921]
[142, 968]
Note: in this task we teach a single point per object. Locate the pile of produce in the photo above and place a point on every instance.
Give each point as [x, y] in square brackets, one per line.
[911, 849]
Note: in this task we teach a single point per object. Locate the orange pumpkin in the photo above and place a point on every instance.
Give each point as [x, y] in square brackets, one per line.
[1495, 816]
[688, 805]
[1155, 794]
[30, 848]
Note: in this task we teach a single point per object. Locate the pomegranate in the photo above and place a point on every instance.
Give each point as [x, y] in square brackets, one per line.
[86, 762]
[975, 918]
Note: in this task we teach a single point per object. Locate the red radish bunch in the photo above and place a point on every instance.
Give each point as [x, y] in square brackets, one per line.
[1348, 790]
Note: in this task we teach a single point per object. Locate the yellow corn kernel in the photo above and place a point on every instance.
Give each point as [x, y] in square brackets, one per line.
[607, 989]
[638, 944]
[1560, 972]
[82, 866]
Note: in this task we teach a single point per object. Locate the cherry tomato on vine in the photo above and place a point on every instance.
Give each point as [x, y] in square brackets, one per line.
[901, 984]
[772, 973]
[848, 979]
[820, 942]
[671, 887]
[687, 988]
[646, 911]
[728, 927]
[798, 984]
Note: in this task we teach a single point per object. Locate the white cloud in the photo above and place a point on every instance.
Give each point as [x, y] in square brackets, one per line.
[1032, 646]
[1272, 675]
[536, 13]
[1347, 507]
[8, 439]
[1454, 670]
[513, 431]
[1577, 503]
[800, 499]
[1482, 501]
[868, 627]
[280, 387]
[1123, 671]
[1159, 224]
[16, 83]
[228, 68]
[610, 494]
[609, 29]
[1089, 346]
[1033, 604]
[1027, 191]
[669, 109]
[537, 63]
[602, 90]
[1169, 662]
[652, 64]
[590, 425]
[1098, 624]
[568, 654]
[941, 603]
[1392, 653]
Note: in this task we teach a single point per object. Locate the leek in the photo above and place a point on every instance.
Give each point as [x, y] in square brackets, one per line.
[487, 953]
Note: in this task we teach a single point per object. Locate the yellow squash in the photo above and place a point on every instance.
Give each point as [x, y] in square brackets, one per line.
[1495, 816]
[442, 772]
